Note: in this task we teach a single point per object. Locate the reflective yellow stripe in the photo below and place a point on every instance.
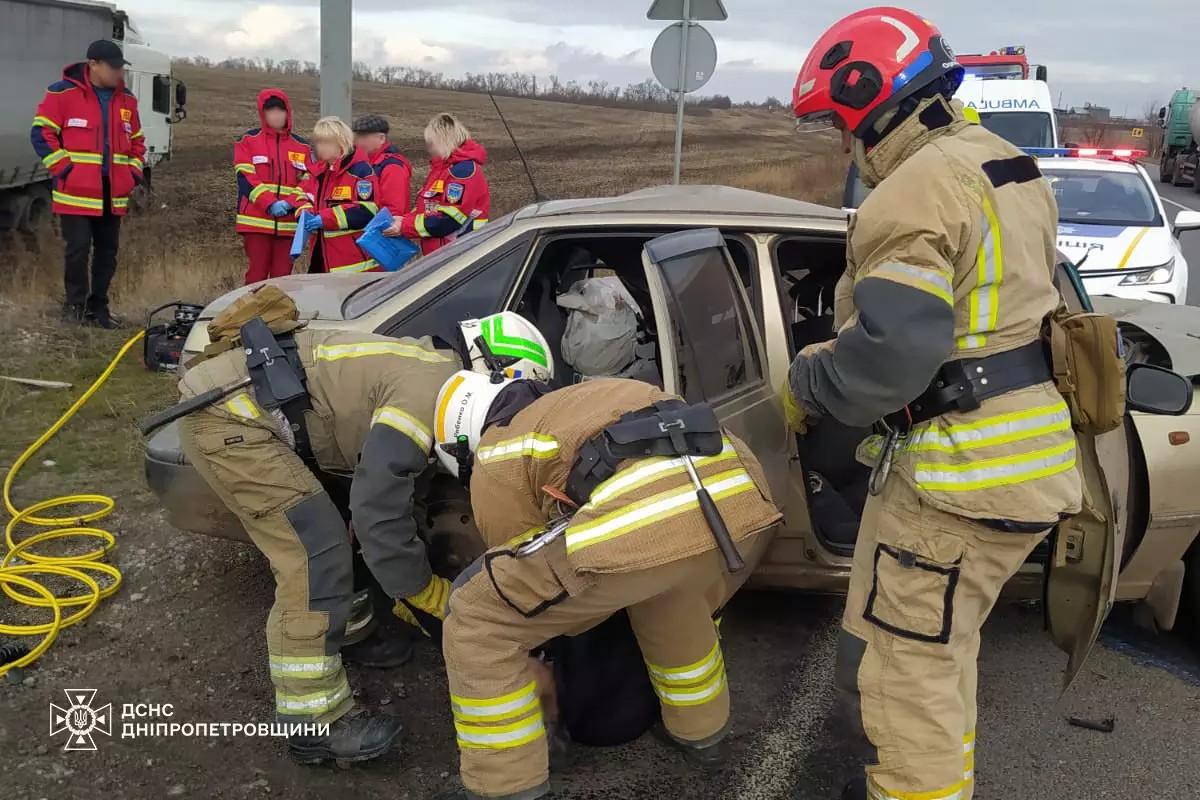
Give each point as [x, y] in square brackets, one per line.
[46, 122]
[699, 671]
[1132, 246]
[1000, 429]
[83, 157]
[649, 471]
[693, 684]
[340, 216]
[655, 509]
[419, 224]
[454, 214]
[953, 792]
[120, 202]
[324, 352]
[137, 135]
[502, 737]
[406, 423]
[256, 222]
[79, 202]
[240, 405]
[314, 702]
[305, 667]
[286, 227]
[258, 191]
[289, 191]
[128, 161]
[479, 223]
[338, 234]
[524, 536]
[54, 158]
[534, 445]
[508, 706]
[927, 280]
[994, 472]
[249, 169]
[361, 266]
[374, 209]
[984, 299]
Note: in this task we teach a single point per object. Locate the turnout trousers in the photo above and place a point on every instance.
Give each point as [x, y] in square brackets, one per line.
[291, 519]
[922, 585]
[508, 606]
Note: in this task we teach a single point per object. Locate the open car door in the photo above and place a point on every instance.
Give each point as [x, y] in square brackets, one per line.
[711, 348]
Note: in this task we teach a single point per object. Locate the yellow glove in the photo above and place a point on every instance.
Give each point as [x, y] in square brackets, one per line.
[795, 414]
[433, 601]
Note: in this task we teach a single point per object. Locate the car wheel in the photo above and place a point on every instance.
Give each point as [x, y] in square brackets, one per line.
[1189, 604]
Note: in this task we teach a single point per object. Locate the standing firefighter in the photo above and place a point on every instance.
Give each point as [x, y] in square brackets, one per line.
[354, 404]
[940, 313]
[637, 541]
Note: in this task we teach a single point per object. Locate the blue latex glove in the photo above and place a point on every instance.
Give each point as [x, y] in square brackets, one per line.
[280, 208]
[312, 223]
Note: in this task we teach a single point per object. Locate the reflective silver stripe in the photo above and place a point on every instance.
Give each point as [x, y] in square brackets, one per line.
[996, 471]
[648, 472]
[507, 706]
[501, 738]
[984, 299]
[406, 423]
[993, 430]
[690, 672]
[692, 697]
[304, 666]
[315, 703]
[534, 445]
[928, 280]
[240, 405]
[324, 352]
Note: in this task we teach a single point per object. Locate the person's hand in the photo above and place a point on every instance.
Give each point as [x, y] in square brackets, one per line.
[393, 230]
[432, 601]
[313, 223]
[280, 208]
[796, 416]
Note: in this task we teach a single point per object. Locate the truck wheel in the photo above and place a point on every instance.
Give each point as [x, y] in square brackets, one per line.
[1196, 179]
[1166, 169]
[1177, 178]
[36, 212]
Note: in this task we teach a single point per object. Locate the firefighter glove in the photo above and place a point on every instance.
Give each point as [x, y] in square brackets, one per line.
[280, 208]
[796, 416]
[427, 608]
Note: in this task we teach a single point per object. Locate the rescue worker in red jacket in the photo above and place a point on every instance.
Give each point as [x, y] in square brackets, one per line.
[393, 171]
[339, 195]
[88, 134]
[270, 162]
[455, 198]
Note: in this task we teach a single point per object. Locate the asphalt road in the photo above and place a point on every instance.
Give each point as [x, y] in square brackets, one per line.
[1176, 199]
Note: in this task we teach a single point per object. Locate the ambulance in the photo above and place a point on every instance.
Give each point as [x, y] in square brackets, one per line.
[1020, 111]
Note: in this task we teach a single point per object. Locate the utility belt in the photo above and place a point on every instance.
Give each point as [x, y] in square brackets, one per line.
[277, 375]
[961, 386]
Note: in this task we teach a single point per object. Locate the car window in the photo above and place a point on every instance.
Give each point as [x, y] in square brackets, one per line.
[1022, 128]
[376, 294]
[717, 350]
[1100, 197]
[474, 292]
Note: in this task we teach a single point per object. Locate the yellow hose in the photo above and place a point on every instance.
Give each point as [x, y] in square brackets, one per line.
[74, 567]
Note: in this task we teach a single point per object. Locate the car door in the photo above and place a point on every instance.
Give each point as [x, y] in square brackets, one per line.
[712, 350]
[1083, 563]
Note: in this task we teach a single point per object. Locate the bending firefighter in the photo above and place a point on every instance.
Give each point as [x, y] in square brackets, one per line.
[352, 404]
[582, 524]
[939, 320]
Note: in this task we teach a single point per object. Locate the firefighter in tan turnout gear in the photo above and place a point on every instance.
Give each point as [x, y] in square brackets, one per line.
[365, 409]
[577, 531]
[948, 281]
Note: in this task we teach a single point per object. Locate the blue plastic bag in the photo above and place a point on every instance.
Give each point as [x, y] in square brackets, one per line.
[392, 253]
[300, 240]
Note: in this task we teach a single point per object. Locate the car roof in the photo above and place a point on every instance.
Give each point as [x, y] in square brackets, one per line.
[1093, 164]
[694, 199]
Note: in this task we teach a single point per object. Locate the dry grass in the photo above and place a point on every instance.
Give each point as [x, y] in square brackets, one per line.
[185, 246]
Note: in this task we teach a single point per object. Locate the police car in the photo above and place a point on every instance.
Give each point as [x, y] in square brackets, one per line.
[1112, 224]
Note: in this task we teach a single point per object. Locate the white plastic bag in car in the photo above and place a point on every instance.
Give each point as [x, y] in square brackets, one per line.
[602, 327]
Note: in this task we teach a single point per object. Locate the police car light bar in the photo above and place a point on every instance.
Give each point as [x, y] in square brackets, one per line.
[1120, 154]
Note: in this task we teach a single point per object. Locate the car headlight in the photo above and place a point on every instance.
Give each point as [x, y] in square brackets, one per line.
[1155, 275]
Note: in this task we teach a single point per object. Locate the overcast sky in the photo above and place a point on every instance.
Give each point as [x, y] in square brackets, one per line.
[1124, 56]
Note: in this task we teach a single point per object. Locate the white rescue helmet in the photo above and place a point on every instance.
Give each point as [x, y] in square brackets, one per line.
[517, 345]
[462, 407]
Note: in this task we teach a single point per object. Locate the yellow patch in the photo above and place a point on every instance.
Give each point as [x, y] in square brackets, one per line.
[438, 187]
[126, 114]
[341, 193]
[297, 158]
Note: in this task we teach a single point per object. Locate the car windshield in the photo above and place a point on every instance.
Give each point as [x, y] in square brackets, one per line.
[1099, 197]
[1022, 128]
[371, 296]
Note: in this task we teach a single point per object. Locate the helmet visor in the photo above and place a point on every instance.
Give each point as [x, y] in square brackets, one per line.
[818, 122]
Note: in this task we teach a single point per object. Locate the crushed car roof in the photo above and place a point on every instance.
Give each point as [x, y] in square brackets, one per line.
[694, 199]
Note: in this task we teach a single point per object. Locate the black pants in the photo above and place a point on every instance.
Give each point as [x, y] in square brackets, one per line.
[95, 239]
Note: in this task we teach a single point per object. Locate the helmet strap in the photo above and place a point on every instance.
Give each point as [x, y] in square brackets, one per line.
[944, 87]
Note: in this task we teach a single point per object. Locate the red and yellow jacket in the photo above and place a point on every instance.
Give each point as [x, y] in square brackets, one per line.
[345, 198]
[270, 166]
[454, 200]
[395, 180]
[68, 135]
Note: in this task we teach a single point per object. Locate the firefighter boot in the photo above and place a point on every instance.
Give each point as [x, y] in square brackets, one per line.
[380, 650]
[855, 789]
[357, 736]
[710, 758]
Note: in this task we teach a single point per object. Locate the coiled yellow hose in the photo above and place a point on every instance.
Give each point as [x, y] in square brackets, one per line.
[74, 567]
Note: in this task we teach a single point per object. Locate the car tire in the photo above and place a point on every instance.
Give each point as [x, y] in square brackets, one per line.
[1177, 178]
[1189, 603]
[1166, 170]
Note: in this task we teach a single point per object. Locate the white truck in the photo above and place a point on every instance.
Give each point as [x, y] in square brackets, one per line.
[37, 39]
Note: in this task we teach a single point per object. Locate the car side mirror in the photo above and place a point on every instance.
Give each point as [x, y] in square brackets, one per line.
[1157, 390]
[1186, 221]
[180, 94]
[1162, 113]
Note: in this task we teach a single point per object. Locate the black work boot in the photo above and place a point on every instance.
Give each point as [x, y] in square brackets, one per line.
[73, 314]
[383, 649]
[357, 736]
[100, 317]
[558, 743]
[709, 758]
[855, 789]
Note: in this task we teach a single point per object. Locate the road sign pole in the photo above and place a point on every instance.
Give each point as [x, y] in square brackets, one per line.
[683, 53]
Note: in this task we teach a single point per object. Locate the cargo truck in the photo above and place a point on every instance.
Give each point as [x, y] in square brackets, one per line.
[37, 39]
[1007, 63]
[1180, 162]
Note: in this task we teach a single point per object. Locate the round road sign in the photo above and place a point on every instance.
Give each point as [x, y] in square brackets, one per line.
[701, 57]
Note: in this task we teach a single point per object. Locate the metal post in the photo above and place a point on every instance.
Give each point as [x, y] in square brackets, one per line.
[337, 71]
[683, 49]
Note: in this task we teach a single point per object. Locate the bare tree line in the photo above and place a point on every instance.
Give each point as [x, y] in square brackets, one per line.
[646, 95]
